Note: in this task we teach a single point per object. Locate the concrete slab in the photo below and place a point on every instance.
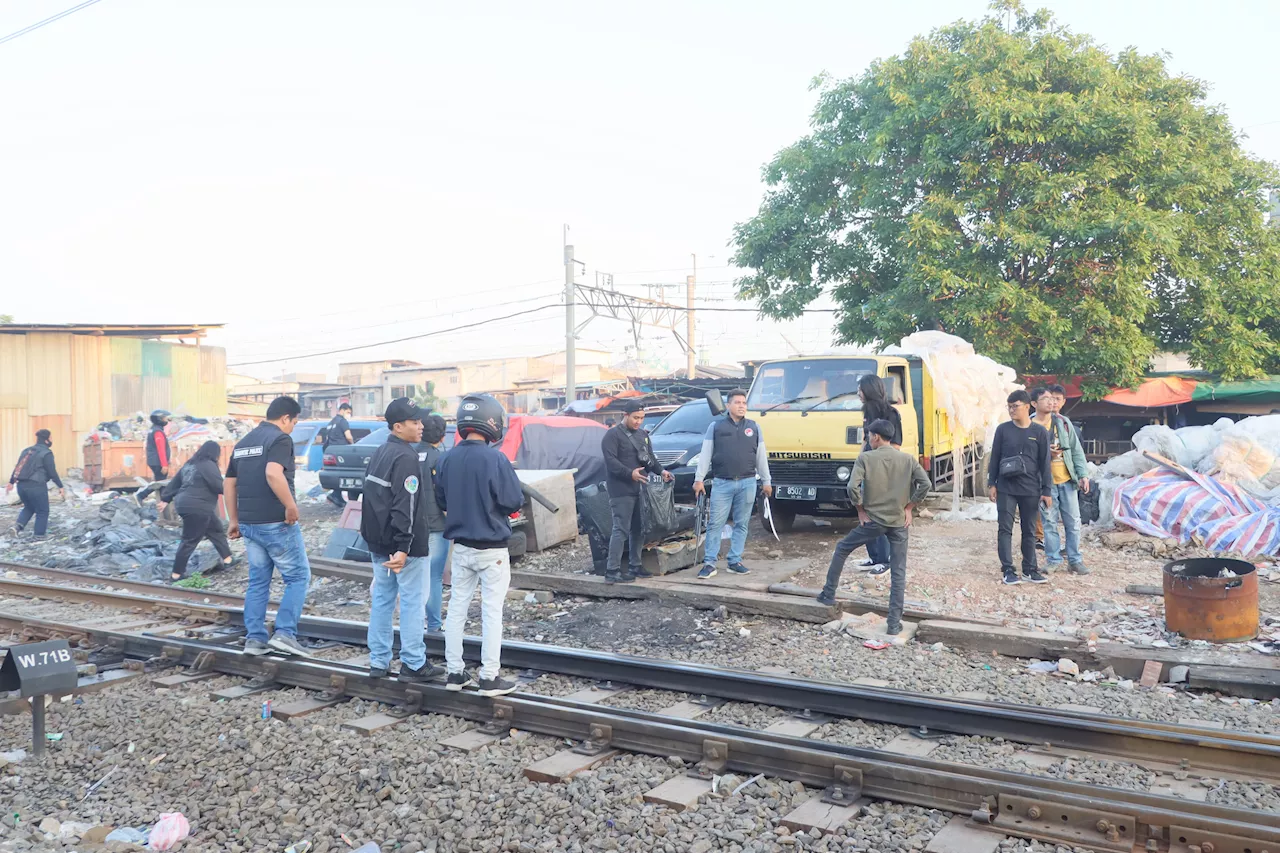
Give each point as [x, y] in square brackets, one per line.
[679, 793]
[595, 694]
[372, 723]
[1188, 789]
[793, 728]
[564, 765]
[911, 745]
[764, 574]
[686, 710]
[303, 707]
[470, 741]
[962, 835]
[871, 626]
[185, 678]
[815, 814]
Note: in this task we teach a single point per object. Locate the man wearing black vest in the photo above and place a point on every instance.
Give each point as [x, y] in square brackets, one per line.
[339, 433]
[629, 460]
[733, 451]
[258, 493]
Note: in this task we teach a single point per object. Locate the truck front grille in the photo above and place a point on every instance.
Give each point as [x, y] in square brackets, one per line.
[807, 472]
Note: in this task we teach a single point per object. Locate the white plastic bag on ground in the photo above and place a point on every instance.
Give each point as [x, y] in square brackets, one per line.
[168, 831]
[1129, 464]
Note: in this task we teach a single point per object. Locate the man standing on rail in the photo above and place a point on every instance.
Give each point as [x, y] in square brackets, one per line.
[158, 450]
[477, 489]
[394, 523]
[258, 493]
[733, 451]
[629, 460]
[338, 433]
[885, 486]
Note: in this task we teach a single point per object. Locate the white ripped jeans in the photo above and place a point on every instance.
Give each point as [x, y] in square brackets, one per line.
[489, 569]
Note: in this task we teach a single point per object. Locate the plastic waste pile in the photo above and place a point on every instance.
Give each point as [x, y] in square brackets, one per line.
[181, 429]
[972, 389]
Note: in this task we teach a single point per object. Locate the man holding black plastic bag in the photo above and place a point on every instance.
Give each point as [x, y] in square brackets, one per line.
[628, 458]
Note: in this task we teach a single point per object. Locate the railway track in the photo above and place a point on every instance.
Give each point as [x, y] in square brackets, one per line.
[1104, 819]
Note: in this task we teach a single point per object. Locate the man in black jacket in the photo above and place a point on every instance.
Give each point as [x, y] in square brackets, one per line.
[31, 475]
[394, 524]
[1019, 478]
[430, 452]
[628, 459]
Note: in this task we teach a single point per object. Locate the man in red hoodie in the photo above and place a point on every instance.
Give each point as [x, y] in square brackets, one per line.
[158, 446]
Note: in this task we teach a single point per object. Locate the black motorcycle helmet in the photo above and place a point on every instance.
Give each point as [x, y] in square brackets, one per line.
[159, 417]
[483, 414]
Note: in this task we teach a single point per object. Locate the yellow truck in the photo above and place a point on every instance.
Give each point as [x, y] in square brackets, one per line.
[811, 418]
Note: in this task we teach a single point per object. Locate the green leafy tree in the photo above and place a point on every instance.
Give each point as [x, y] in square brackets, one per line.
[1066, 210]
[6, 319]
[427, 399]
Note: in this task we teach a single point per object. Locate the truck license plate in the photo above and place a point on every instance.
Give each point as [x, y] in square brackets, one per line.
[797, 493]
[350, 483]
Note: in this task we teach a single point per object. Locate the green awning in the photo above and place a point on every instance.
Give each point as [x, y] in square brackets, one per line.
[1249, 391]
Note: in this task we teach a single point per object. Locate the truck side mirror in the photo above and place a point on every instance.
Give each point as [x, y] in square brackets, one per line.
[716, 401]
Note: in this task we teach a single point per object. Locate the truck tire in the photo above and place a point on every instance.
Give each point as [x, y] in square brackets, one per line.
[517, 545]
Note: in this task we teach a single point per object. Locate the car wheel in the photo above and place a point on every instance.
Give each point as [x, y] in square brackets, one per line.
[517, 545]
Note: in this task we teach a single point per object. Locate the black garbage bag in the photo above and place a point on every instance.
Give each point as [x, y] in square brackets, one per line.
[596, 521]
[116, 540]
[659, 506]
[111, 428]
[1089, 511]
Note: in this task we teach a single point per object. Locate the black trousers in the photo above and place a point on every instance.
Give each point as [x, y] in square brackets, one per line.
[157, 473]
[628, 530]
[35, 502]
[1028, 509]
[867, 534]
[197, 526]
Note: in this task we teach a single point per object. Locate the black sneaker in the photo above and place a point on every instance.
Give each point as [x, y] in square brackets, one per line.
[738, 569]
[878, 570]
[893, 630]
[377, 672]
[612, 579]
[458, 680]
[643, 573]
[1034, 576]
[1039, 546]
[829, 602]
[419, 676]
[1011, 578]
[497, 686]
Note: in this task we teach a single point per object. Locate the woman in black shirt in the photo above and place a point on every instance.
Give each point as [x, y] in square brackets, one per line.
[196, 489]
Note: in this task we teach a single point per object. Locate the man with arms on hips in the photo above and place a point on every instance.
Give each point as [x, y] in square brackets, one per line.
[629, 460]
[477, 489]
[393, 522]
[733, 451]
[258, 493]
[885, 486]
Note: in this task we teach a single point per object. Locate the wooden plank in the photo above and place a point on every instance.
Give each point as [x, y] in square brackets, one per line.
[1144, 589]
[1014, 642]
[1236, 681]
[793, 728]
[815, 814]
[183, 678]
[303, 707]
[856, 604]
[962, 835]
[564, 765]
[372, 723]
[679, 793]
[470, 741]
[1150, 673]
[909, 744]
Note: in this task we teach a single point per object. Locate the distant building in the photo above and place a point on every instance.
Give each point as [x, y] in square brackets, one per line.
[70, 378]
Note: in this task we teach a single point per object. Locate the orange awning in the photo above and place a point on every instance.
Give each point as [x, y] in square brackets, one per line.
[1155, 392]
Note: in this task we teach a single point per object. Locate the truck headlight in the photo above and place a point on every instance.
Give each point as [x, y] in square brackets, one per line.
[693, 463]
[842, 473]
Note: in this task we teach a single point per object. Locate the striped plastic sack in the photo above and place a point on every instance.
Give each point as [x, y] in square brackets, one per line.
[1164, 503]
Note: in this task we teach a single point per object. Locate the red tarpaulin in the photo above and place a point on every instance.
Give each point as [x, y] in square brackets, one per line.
[556, 443]
[1152, 393]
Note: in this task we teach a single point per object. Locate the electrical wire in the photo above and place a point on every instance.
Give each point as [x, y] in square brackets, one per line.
[49, 20]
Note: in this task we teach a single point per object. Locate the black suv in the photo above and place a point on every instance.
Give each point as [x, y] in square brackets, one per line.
[677, 441]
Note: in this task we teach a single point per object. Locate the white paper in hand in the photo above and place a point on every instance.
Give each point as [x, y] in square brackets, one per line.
[768, 516]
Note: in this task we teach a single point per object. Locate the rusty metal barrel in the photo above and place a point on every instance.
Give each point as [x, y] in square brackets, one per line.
[1211, 598]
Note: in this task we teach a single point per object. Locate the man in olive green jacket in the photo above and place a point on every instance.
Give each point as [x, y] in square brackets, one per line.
[1070, 477]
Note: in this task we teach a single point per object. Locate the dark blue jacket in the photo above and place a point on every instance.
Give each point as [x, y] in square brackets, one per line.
[477, 489]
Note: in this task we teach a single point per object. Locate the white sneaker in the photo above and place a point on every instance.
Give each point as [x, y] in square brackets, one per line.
[873, 567]
[865, 561]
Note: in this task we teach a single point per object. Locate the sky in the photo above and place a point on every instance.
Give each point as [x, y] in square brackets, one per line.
[322, 175]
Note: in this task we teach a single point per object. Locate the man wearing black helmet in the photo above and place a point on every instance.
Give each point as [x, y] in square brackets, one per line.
[477, 489]
[158, 445]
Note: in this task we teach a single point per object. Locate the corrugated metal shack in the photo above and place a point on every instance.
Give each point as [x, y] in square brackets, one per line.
[70, 378]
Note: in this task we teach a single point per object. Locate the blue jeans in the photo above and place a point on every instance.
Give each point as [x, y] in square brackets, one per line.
[274, 546]
[408, 586]
[1066, 503]
[730, 498]
[435, 588]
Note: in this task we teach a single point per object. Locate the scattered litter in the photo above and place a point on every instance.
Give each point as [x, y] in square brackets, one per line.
[751, 781]
[1042, 666]
[1179, 674]
[127, 834]
[153, 762]
[55, 736]
[1068, 667]
[14, 756]
[89, 792]
[299, 847]
[168, 831]
[877, 645]
[744, 632]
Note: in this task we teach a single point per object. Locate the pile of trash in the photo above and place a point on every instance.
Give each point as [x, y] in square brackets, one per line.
[182, 429]
[125, 541]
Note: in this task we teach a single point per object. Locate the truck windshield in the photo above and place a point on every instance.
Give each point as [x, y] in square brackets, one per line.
[819, 385]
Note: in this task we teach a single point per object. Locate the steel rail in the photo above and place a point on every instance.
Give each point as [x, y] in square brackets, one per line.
[1106, 819]
[1236, 753]
[141, 587]
[119, 600]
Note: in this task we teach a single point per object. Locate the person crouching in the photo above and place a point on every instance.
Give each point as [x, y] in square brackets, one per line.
[394, 524]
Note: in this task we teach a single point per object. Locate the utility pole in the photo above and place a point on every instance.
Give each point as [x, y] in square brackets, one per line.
[570, 380]
[691, 368]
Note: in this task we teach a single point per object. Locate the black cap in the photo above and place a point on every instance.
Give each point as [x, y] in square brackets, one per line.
[630, 407]
[403, 409]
